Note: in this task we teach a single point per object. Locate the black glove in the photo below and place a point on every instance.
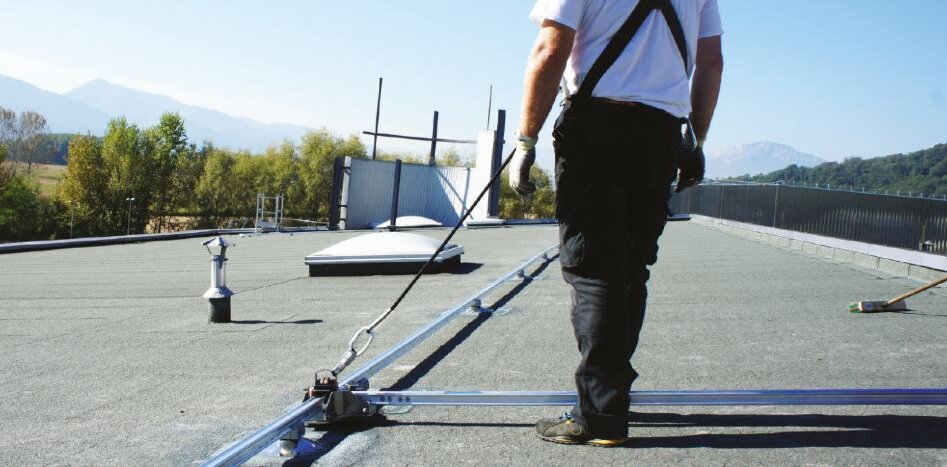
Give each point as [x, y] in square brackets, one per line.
[691, 164]
[523, 160]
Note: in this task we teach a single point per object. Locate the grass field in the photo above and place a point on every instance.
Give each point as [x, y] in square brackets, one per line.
[46, 175]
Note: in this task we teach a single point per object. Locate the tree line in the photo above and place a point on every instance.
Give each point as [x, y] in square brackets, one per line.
[155, 180]
[23, 136]
[920, 172]
[162, 182]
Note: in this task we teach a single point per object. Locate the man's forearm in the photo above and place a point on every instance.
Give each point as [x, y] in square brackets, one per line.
[543, 73]
[706, 86]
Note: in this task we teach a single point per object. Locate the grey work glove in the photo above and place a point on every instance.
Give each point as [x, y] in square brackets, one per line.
[523, 159]
[691, 163]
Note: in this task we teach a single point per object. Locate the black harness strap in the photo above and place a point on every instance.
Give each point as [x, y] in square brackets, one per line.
[674, 24]
[623, 37]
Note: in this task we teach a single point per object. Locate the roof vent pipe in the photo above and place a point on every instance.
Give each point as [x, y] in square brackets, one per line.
[218, 294]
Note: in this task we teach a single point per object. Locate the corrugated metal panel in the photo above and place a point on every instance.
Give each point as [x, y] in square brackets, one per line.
[369, 192]
[438, 193]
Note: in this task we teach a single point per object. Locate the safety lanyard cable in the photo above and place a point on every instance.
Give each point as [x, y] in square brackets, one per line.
[352, 352]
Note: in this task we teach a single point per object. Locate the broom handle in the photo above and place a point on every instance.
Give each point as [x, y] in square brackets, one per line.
[917, 291]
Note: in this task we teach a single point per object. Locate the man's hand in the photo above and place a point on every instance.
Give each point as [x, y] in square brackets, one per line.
[691, 164]
[523, 158]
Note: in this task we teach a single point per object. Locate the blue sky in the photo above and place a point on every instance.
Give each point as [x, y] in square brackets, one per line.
[836, 78]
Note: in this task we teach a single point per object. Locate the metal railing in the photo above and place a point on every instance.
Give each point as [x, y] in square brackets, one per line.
[879, 219]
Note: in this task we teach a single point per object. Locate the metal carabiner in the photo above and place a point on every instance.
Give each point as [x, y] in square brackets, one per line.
[371, 337]
[349, 355]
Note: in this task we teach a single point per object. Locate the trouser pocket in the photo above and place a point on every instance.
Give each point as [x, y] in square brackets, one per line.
[573, 245]
[572, 191]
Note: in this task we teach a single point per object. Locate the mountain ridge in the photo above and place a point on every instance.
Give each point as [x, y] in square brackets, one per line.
[88, 108]
[203, 124]
[63, 114]
[757, 158]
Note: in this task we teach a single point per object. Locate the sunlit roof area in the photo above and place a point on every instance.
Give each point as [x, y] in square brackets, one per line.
[107, 351]
[328, 233]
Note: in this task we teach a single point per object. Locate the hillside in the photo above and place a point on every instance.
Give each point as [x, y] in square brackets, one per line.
[923, 171]
[756, 158]
[145, 109]
[88, 109]
[63, 114]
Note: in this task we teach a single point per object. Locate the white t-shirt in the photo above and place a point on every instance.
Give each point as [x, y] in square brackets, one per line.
[649, 70]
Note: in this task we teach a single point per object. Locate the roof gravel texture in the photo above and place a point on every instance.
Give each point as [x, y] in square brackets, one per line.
[108, 359]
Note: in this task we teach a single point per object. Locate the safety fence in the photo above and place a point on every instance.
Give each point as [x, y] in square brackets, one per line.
[880, 219]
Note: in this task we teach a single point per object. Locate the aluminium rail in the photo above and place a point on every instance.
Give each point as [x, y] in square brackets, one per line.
[385, 359]
[666, 398]
[295, 419]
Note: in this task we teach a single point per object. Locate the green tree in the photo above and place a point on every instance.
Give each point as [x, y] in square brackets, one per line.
[406, 157]
[24, 214]
[8, 130]
[248, 178]
[167, 143]
[215, 196]
[452, 158]
[317, 155]
[189, 167]
[83, 190]
[3, 168]
[539, 205]
[31, 134]
[282, 174]
[127, 170]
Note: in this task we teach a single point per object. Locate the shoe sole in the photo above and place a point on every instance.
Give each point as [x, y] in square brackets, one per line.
[608, 443]
[596, 442]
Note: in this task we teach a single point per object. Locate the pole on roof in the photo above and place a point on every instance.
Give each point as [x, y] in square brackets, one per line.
[392, 224]
[493, 202]
[489, 107]
[433, 141]
[377, 117]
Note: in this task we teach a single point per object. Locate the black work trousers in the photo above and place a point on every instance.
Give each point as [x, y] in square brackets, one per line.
[614, 167]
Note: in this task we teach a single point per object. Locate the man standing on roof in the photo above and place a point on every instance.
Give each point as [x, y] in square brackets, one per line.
[618, 145]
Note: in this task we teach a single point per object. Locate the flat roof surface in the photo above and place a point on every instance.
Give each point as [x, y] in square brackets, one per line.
[108, 357]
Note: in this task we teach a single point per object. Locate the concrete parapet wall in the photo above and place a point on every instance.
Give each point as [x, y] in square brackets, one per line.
[896, 261]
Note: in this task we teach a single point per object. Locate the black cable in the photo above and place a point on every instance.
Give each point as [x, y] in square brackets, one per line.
[430, 260]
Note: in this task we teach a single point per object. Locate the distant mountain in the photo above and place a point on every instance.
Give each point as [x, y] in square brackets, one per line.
[63, 115]
[918, 172]
[202, 124]
[757, 158]
[88, 108]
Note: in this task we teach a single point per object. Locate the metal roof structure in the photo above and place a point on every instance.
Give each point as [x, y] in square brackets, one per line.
[108, 358]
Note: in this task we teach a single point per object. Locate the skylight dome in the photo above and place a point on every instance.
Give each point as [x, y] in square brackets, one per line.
[382, 253]
[410, 222]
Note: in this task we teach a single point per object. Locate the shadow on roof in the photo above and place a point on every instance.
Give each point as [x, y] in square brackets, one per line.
[338, 432]
[856, 431]
[256, 321]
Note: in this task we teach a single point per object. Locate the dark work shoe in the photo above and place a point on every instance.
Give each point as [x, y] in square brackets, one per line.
[564, 430]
